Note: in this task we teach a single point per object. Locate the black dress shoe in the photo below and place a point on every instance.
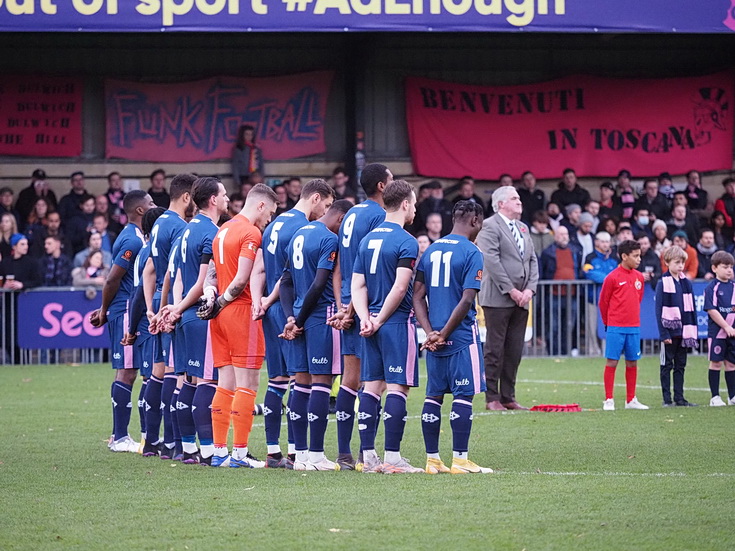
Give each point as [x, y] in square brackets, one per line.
[684, 403]
[667, 404]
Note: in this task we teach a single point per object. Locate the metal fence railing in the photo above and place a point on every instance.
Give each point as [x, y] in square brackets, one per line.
[563, 321]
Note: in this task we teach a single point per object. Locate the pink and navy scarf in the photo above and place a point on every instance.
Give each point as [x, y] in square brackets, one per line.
[677, 312]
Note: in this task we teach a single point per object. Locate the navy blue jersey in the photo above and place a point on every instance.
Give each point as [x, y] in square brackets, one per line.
[312, 247]
[140, 261]
[356, 224]
[276, 238]
[448, 267]
[377, 259]
[124, 252]
[718, 296]
[195, 250]
[167, 228]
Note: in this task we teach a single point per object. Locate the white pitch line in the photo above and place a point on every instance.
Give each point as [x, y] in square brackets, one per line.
[598, 383]
[646, 475]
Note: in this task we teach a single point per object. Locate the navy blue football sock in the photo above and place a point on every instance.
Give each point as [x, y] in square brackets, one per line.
[461, 421]
[167, 393]
[289, 427]
[141, 408]
[714, 382]
[122, 406]
[202, 413]
[431, 423]
[153, 409]
[367, 419]
[345, 413]
[318, 415]
[730, 382]
[300, 416]
[272, 411]
[175, 422]
[112, 401]
[185, 417]
[394, 419]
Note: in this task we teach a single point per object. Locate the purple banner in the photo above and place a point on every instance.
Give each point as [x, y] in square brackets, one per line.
[59, 319]
[585, 16]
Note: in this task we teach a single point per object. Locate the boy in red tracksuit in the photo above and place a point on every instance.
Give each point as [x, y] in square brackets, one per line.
[620, 307]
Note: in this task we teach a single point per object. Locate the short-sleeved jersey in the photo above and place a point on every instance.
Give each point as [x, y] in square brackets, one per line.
[124, 252]
[377, 259]
[718, 295]
[195, 249]
[174, 263]
[312, 247]
[167, 228]
[276, 238]
[356, 224]
[449, 266]
[138, 268]
[236, 238]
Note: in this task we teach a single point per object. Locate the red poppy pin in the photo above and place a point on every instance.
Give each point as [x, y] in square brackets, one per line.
[127, 255]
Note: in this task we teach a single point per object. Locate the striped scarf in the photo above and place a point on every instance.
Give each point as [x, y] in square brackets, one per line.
[677, 312]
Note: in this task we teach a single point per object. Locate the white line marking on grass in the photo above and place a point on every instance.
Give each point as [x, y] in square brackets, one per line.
[598, 383]
[647, 475]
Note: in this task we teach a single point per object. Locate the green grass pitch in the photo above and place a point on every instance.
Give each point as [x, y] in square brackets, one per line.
[657, 479]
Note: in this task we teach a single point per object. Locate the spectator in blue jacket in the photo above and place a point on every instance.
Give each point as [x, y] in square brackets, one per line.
[597, 265]
[561, 261]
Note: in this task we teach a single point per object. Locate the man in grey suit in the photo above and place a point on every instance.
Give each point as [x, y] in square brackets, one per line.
[509, 281]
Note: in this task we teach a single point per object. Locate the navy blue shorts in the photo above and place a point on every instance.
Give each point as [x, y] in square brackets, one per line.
[143, 354]
[459, 374]
[623, 339]
[323, 350]
[177, 353]
[120, 356]
[351, 339]
[721, 350]
[295, 353]
[196, 349]
[390, 355]
[162, 341]
[275, 355]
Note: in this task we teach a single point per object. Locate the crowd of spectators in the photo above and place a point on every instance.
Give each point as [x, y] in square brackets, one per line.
[657, 215]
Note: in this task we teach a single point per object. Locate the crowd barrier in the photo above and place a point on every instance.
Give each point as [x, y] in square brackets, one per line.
[51, 325]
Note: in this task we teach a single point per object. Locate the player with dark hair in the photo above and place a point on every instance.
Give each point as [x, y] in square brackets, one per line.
[192, 261]
[449, 275]
[620, 308]
[316, 195]
[381, 292]
[116, 293]
[138, 335]
[357, 223]
[157, 287]
[238, 347]
[307, 298]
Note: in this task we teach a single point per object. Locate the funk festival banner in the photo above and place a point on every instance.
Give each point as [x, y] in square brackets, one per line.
[41, 116]
[595, 125]
[661, 16]
[198, 121]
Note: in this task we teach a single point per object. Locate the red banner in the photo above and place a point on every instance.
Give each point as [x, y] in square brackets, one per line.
[41, 116]
[198, 121]
[596, 126]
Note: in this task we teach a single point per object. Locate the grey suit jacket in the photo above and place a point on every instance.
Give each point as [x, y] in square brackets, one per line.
[504, 268]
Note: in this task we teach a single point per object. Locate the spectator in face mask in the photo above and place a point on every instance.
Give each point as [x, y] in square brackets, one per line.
[642, 222]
